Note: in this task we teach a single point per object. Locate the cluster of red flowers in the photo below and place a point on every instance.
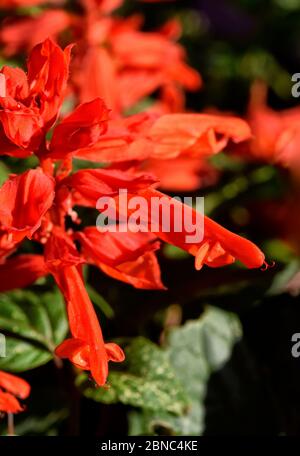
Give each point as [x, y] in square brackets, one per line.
[276, 133]
[35, 205]
[121, 63]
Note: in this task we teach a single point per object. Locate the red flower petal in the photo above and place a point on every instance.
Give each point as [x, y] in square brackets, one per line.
[76, 350]
[97, 60]
[21, 271]
[24, 199]
[20, 126]
[48, 70]
[88, 351]
[60, 251]
[114, 248]
[15, 83]
[125, 140]
[142, 273]
[218, 247]
[23, 35]
[90, 184]
[195, 134]
[182, 174]
[114, 352]
[80, 129]
[9, 404]
[14, 385]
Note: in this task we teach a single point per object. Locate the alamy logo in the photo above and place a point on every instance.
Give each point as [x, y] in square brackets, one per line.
[296, 345]
[296, 86]
[158, 214]
[2, 346]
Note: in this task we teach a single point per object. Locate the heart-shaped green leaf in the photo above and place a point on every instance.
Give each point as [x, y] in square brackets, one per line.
[33, 326]
[149, 382]
[195, 351]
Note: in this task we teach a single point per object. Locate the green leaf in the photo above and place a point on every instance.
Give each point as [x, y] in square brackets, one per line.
[195, 351]
[149, 382]
[22, 356]
[282, 278]
[278, 251]
[4, 173]
[140, 106]
[41, 425]
[33, 325]
[168, 386]
[79, 164]
[29, 10]
[100, 302]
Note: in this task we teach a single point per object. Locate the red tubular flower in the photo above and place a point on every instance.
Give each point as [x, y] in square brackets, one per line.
[182, 144]
[195, 134]
[11, 386]
[36, 203]
[165, 137]
[90, 184]
[182, 174]
[218, 247]
[24, 200]
[20, 125]
[80, 129]
[114, 248]
[125, 140]
[30, 104]
[128, 257]
[25, 34]
[98, 61]
[86, 349]
[22, 270]
[14, 385]
[9, 404]
[152, 58]
[48, 71]
[142, 273]
[174, 147]
[140, 63]
[114, 59]
[276, 134]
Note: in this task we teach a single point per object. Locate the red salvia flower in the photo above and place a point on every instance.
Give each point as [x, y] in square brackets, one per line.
[11, 388]
[21, 271]
[24, 200]
[30, 104]
[86, 349]
[80, 129]
[276, 134]
[115, 60]
[182, 174]
[174, 147]
[218, 247]
[128, 257]
[169, 136]
[35, 204]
